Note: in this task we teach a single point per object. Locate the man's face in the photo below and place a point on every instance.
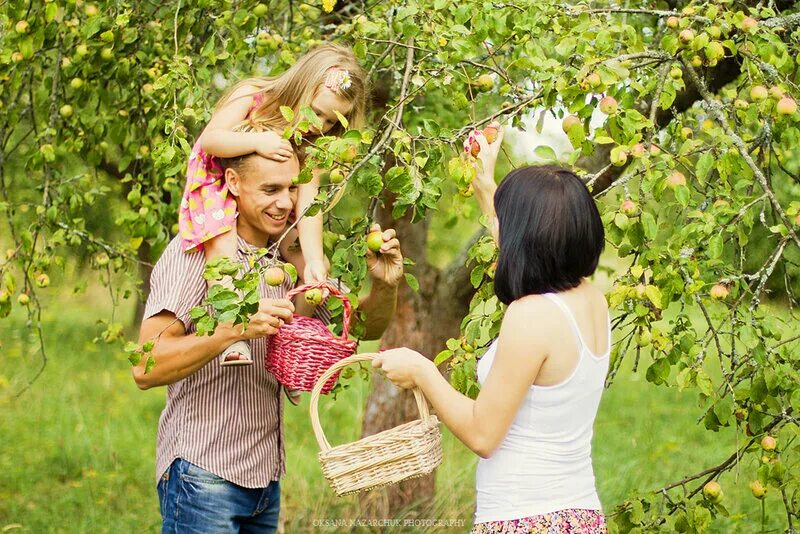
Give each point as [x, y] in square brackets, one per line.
[265, 196]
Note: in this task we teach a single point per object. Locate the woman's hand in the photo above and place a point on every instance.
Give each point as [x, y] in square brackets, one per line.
[272, 146]
[402, 366]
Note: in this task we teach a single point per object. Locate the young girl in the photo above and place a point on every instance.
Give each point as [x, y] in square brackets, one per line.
[330, 80]
[542, 379]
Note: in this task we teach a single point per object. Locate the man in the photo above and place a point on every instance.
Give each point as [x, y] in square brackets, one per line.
[220, 445]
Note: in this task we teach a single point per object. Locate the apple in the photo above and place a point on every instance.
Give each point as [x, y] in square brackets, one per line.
[654, 149]
[90, 10]
[697, 61]
[675, 73]
[673, 22]
[749, 24]
[82, 50]
[144, 150]
[336, 176]
[740, 104]
[688, 11]
[629, 207]
[24, 299]
[76, 83]
[676, 179]
[22, 27]
[66, 111]
[106, 53]
[707, 125]
[375, 241]
[641, 291]
[758, 93]
[758, 489]
[620, 158]
[485, 82]
[776, 92]
[260, 10]
[16, 57]
[107, 36]
[569, 122]
[713, 491]
[101, 259]
[719, 291]
[313, 296]
[714, 51]
[637, 150]
[10, 253]
[594, 80]
[741, 414]
[608, 105]
[644, 338]
[686, 36]
[490, 133]
[768, 443]
[274, 276]
[714, 32]
[148, 88]
[687, 133]
[786, 106]
[43, 280]
[349, 153]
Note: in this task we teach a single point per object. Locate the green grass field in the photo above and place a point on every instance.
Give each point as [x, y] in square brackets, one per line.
[77, 450]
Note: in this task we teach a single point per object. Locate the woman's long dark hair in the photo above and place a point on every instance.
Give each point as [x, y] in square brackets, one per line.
[550, 235]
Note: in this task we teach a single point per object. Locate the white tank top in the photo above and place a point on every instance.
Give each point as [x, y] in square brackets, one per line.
[544, 463]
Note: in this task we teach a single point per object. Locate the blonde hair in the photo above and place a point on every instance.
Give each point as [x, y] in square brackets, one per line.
[301, 83]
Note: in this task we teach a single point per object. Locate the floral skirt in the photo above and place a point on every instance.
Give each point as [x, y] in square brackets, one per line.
[572, 521]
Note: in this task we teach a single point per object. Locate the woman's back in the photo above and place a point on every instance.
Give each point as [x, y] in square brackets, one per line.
[544, 462]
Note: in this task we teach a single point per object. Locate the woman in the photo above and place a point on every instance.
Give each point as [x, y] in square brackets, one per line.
[543, 377]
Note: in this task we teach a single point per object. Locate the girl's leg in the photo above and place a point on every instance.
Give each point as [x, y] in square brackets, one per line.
[226, 245]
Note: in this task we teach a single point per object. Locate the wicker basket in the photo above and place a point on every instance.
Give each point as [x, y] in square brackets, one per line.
[303, 349]
[410, 450]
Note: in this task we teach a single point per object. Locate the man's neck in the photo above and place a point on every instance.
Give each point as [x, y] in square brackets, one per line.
[253, 237]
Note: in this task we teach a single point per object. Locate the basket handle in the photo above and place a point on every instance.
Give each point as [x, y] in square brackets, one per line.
[334, 291]
[422, 404]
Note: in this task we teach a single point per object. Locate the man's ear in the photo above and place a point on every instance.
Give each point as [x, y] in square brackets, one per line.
[233, 180]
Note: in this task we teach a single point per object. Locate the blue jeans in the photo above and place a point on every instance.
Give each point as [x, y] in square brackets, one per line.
[195, 500]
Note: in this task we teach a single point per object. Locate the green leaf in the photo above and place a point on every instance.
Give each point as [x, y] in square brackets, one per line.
[682, 195]
[704, 166]
[412, 282]
[704, 383]
[715, 246]
[342, 119]
[649, 225]
[654, 295]
[545, 152]
[442, 357]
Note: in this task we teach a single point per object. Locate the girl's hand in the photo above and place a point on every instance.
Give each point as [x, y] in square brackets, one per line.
[272, 146]
[402, 366]
[489, 152]
[315, 271]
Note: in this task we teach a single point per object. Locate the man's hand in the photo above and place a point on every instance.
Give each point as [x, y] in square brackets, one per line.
[272, 314]
[386, 266]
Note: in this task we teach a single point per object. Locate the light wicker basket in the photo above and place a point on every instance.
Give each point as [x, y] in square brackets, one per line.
[303, 349]
[410, 450]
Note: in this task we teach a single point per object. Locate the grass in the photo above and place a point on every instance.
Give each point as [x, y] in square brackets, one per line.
[78, 448]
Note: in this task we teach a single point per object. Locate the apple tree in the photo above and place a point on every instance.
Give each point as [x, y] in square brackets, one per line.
[692, 164]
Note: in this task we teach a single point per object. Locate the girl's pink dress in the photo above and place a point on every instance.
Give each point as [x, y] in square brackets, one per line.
[207, 209]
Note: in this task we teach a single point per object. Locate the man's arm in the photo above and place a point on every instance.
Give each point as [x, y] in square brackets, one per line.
[178, 354]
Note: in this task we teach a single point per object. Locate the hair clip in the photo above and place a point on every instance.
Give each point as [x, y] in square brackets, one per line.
[338, 80]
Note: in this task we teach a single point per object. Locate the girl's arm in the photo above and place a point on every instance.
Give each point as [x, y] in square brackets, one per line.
[219, 139]
[484, 183]
[481, 424]
[310, 230]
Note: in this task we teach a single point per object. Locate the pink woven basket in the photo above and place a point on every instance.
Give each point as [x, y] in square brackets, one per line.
[304, 349]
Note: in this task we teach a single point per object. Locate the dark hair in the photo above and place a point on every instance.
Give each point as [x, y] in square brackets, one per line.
[550, 233]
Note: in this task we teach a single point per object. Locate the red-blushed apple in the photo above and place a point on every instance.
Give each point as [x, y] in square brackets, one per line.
[676, 179]
[776, 92]
[749, 24]
[608, 105]
[629, 207]
[490, 133]
[673, 22]
[686, 36]
[758, 93]
[719, 291]
[485, 82]
[769, 443]
[637, 150]
[786, 106]
[24, 299]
